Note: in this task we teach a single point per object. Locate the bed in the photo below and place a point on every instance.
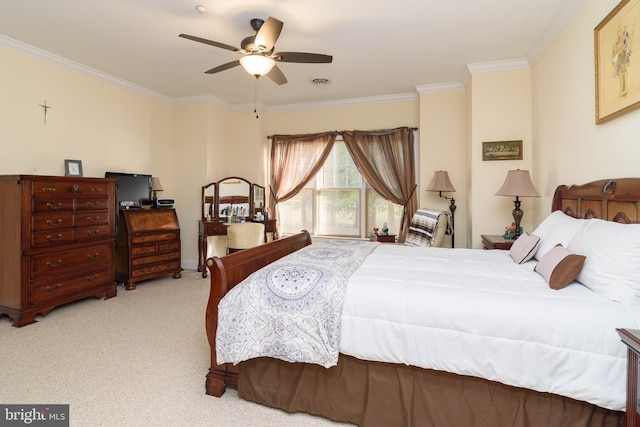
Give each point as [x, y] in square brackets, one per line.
[526, 378]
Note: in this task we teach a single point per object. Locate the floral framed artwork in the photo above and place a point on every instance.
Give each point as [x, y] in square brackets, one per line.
[502, 150]
[617, 62]
[73, 168]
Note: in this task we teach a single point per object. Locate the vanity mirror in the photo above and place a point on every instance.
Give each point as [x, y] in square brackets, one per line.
[234, 199]
[258, 199]
[208, 201]
[231, 199]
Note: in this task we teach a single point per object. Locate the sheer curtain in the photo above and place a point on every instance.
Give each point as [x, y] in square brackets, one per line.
[386, 159]
[295, 160]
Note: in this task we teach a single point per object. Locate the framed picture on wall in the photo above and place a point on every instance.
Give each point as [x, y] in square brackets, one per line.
[73, 168]
[502, 150]
[617, 61]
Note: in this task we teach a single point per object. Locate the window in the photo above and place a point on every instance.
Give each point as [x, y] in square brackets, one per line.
[338, 202]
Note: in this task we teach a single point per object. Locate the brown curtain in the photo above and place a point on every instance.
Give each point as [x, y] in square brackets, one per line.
[386, 159]
[295, 160]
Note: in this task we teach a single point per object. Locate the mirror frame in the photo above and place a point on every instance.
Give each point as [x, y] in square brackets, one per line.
[255, 209]
[249, 196]
[204, 201]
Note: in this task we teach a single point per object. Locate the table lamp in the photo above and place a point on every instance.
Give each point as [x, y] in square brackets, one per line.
[517, 183]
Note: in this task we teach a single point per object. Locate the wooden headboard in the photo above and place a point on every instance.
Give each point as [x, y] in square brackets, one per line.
[609, 199]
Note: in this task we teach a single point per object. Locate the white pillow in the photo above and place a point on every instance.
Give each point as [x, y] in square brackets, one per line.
[524, 248]
[558, 227]
[612, 268]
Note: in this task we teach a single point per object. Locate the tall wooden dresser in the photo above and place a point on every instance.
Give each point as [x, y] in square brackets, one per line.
[148, 245]
[57, 243]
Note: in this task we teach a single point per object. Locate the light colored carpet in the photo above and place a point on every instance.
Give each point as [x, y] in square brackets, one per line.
[138, 359]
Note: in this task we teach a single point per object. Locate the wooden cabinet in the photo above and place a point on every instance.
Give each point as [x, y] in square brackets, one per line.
[631, 338]
[57, 243]
[386, 238]
[496, 242]
[148, 245]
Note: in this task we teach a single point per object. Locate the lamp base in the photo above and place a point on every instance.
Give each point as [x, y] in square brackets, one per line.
[517, 217]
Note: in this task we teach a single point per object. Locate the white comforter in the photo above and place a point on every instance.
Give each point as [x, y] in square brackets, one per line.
[476, 312]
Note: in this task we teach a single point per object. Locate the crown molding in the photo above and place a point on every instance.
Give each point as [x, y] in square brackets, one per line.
[440, 87]
[567, 13]
[346, 102]
[51, 58]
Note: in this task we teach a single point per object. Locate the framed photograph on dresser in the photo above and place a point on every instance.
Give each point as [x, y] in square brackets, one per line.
[73, 168]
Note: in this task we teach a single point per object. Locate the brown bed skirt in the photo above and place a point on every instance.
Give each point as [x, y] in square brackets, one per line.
[381, 394]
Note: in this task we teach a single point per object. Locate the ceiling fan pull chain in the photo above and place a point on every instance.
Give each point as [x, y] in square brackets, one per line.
[255, 108]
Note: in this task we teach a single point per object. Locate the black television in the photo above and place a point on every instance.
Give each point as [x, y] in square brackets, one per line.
[133, 190]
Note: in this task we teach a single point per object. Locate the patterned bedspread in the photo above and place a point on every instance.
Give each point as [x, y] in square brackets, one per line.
[291, 309]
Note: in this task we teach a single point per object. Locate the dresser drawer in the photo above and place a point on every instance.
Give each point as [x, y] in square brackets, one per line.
[52, 204]
[84, 219]
[155, 237]
[50, 292]
[91, 203]
[169, 246]
[155, 269]
[68, 262]
[52, 221]
[71, 187]
[163, 257]
[144, 250]
[48, 238]
[92, 233]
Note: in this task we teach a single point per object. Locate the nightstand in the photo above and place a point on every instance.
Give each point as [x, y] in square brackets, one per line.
[490, 241]
[387, 238]
[631, 338]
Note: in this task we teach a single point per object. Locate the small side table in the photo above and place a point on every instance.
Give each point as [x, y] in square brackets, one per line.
[387, 238]
[631, 337]
[490, 241]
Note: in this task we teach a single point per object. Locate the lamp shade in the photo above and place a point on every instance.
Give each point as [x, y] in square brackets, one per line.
[155, 184]
[257, 65]
[518, 183]
[441, 182]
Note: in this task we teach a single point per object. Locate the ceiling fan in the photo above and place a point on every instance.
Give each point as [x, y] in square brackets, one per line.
[259, 58]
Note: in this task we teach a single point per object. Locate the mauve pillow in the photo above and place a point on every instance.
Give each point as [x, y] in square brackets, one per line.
[524, 248]
[559, 267]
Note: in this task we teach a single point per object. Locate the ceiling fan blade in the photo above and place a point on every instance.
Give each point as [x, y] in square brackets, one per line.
[268, 34]
[209, 42]
[277, 76]
[304, 57]
[223, 67]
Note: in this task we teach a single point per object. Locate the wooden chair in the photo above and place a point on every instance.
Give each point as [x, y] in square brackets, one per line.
[244, 236]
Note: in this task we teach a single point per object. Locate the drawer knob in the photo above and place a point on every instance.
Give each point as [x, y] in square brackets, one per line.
[52, 206]
[93, 234]
[48, 189]
[53, 224]
[93, 257]
[57, 264]
[97, 189]
[54, 239]
[58, 286]
[93, 204]
[94, 219]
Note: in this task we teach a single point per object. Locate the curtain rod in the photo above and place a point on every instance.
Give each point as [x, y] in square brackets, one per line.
[375, 130]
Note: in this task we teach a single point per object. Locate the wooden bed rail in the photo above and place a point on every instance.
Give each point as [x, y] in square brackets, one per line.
[226, 272]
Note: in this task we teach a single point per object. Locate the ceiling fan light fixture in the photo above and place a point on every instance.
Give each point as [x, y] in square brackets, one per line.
[257, 65]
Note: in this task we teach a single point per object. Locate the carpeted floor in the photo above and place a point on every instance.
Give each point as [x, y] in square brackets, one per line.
[138, 359]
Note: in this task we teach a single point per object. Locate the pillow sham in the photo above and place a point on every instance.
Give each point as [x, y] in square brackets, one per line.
[559, 267]
[612, 268]
[524, 248]
[556, 228]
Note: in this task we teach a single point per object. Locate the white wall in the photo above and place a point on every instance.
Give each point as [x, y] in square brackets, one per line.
[569, 148]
